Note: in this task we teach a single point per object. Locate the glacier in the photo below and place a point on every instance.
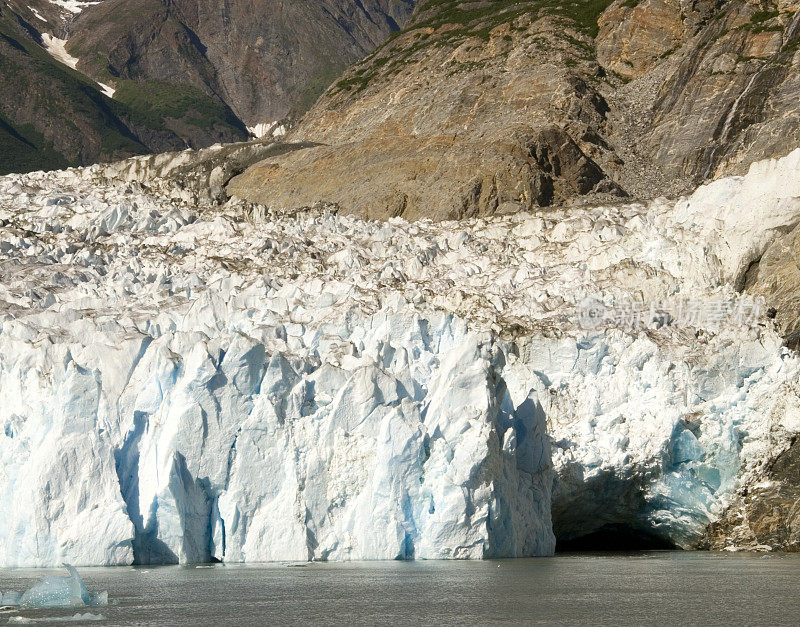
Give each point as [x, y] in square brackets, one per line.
[185, 382]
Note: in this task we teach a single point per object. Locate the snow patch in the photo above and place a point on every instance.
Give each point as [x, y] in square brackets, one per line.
[107, 90]
[74, 6]
[37, 14]
[57, 49]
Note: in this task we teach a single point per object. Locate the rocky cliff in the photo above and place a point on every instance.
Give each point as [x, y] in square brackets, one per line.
[492, 107]
[476, 108]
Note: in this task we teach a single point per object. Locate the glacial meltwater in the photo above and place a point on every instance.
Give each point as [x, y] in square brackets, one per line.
[666, 588]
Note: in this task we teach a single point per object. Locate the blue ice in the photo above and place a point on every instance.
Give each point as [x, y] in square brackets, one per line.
[67, 591]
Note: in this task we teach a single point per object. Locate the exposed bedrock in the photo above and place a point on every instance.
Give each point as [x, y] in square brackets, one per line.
[435, 177]
[643, 98]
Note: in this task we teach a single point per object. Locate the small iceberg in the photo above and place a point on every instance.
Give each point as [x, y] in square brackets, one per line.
[77, 618]
[67, 591]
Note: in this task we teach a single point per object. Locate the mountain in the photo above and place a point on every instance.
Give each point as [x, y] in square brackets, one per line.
[482, 108]
[97, 81]
[50, 115]
[264, 59]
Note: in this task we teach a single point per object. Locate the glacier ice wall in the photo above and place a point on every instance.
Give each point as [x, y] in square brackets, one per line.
[184, 383]
[254, 441]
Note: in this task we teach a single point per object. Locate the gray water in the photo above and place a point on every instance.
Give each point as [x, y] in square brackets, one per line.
[662, 588]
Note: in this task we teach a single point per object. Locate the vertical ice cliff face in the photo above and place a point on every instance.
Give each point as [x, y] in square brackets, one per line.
[183, 383]
[215, 432]
[382, 440]
[60, 497]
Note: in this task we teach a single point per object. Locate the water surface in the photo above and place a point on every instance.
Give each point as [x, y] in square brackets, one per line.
[663, 588]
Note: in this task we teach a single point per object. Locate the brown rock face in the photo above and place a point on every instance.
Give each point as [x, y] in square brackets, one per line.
[731, 95]
[633, 37]
[437, 177]
[767, 515]
[448, 120]
[776, 277]
[655, 95]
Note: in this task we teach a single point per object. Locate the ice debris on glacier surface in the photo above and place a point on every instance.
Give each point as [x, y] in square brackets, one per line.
[195, 383]
[69, 591]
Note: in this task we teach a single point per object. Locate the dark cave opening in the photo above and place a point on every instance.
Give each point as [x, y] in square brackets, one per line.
[615, 537]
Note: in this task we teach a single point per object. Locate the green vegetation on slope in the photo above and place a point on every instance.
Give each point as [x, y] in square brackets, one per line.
[454, 20]
[154, 103]
[481, 18]
[52, 116]
[25, 150]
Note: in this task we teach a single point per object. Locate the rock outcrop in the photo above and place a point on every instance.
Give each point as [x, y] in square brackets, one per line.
[728, 95]
[776, 277]
[523, 104]
[470, 111]
[765, 515]
[634, 36]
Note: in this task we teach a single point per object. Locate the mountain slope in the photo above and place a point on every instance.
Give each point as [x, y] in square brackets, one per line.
[50, 115]
[475, 108]
[714, 85]
[480, 108]
[181, 74]
[54, 116]
[264, 59]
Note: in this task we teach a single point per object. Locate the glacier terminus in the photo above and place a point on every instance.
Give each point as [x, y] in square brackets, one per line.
[184, 383]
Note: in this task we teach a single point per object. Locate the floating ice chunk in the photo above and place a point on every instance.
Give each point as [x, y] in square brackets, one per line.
[75, 618]
[67, 591]
[10, 599]
[58, 592]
